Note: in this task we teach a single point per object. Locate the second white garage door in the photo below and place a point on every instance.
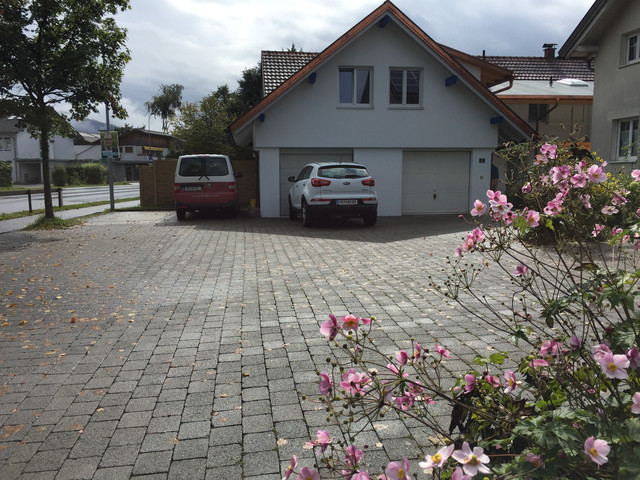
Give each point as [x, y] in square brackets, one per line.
[435, 182]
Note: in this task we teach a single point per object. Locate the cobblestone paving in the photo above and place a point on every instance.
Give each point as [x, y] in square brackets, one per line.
[135, 346]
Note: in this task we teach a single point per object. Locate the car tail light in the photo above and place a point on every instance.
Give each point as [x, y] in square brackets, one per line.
[232, 187]
[369, 182]
[320, 182]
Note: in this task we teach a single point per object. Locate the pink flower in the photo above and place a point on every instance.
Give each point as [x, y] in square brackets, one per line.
[634, 357]
[350, 322]
[510, 379]
[532, 218]
[360, 475]
[353, 381]
[580, 180]
[539, 362]
[596, 174]
[493, 381]
[478, 208]
[635, 406]
[402, 358]
[499, 204]
[597, 450]
[550, 347]
[458, 475]
[597, 229]
[472, 461]
[366, 321]
[527, 188]
[326, 384]
[521, 270]
[636, 175]
[307, 473]
[291, 467]
[398, 470]
[549, 150]
[586, 201]
[439, 459]
[329, 328]
[418, 351]
[575, 342]
[535, 459]
[353, 455]
[614, 366]
[609, 210]
[598, 351]
[560, 173]
[470, 382]
[443, 351]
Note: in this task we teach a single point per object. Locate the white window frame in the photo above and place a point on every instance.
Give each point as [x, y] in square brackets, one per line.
[356, 73]
[403, 102]
[631, 48]
[623, 152]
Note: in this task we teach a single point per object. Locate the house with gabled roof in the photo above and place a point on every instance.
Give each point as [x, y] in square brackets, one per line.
[608, 36]
[385, 94]
[554, 95]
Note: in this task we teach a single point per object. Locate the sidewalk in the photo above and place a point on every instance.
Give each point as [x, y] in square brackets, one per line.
[20, 223]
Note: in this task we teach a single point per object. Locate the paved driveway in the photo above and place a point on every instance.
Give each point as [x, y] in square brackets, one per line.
[136, 346]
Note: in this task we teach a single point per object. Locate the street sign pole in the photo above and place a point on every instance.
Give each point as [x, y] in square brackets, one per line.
[109, 154]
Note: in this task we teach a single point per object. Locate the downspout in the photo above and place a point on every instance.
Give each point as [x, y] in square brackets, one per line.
[504, 88]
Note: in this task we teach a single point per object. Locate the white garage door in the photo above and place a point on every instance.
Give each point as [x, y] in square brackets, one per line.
[292, 163]
[435, 182]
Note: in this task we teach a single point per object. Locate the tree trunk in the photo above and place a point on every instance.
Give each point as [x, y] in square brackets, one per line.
[46, 179]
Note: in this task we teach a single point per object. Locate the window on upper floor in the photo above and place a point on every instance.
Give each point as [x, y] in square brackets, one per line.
[632, 48]
[355, 85]
[538, 112]
[628, 139]
[404, 86]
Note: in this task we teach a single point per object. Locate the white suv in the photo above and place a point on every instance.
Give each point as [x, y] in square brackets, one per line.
[343, 189]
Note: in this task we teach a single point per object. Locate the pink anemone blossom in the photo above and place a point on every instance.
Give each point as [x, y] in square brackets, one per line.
[398, 470]
[478, 208]
[329, 328]
[636, 175]
[635, 403]
[442, 351]
[510, 379]
[353, 382]
[614, 366]
[459, 475]
[439, 459]
[470, 381]
[549, 150]
[323, 440]
[326, 384]
[291, 467]
[307, 473]
[473, 461]
[597, 450]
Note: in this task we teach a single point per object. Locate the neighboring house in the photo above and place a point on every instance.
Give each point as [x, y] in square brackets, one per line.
[385, 94]
[554, 95]
[23, 151]
[609, 37]
[140, 147]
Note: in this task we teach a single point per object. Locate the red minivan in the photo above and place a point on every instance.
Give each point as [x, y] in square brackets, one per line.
[205, 182]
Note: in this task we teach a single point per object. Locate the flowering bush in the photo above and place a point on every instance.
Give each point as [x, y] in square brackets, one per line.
[570, 407]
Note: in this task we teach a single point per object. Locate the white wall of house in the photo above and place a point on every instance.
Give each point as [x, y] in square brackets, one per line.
[310, 117]
[617, 85]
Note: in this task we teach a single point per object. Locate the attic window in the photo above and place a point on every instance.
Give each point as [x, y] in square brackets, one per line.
[632, 48]
[573, 82]
[355, 86]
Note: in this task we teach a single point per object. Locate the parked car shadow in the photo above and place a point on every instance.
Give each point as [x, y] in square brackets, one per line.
[386, 230]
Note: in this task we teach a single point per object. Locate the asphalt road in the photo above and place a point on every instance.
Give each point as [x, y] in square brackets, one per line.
[70, 196]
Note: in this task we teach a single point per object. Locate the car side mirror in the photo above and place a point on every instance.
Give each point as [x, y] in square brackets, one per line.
[292, 178]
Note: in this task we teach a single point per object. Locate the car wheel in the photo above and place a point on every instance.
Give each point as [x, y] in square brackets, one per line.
[307, 218]
[293, 215]
[370, 218]
[181, 214]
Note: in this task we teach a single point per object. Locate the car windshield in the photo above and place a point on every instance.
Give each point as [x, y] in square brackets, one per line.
[204, 166]
[343, 171]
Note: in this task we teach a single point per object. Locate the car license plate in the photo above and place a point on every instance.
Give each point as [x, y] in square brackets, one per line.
[346, 202]
[192, 189]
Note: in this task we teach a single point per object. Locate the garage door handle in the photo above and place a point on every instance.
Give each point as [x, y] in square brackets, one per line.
[434, 195]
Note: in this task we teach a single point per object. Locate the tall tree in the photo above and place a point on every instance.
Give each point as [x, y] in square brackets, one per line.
[68, 53]
[164, 104]
[202, 124]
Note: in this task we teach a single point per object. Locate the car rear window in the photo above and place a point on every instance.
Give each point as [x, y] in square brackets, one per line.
[204, 167]
[341, 171]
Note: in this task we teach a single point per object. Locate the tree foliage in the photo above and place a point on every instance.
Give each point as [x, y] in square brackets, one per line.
[59, 53]
[202, 126]
[165, 103]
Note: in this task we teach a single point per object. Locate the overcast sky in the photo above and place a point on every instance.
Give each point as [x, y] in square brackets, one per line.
[203, 44]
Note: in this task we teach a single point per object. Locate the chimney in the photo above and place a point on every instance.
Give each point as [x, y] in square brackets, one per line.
[549, 50]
